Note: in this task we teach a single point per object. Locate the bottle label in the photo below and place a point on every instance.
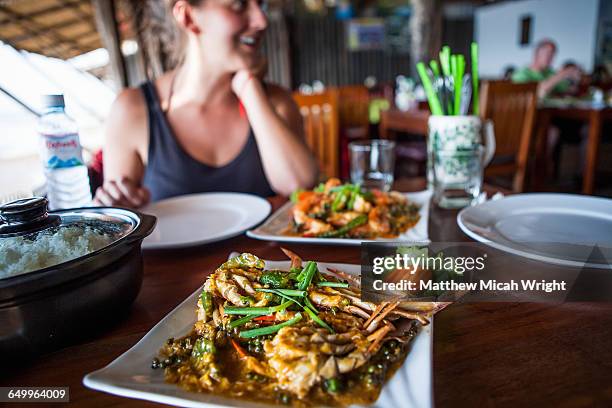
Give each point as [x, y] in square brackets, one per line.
[61, 151]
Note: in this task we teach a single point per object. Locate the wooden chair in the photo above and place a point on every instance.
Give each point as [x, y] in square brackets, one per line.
[353, 105]
[320, 117]
[512, 108]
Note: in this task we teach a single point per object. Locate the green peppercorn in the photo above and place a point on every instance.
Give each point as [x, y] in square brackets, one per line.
[333, 385]
[284, 398]
[369, 380]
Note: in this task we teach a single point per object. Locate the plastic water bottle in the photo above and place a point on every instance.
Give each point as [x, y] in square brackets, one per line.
[66, 174]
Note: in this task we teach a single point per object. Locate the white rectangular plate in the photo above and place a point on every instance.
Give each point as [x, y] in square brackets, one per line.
[130, 375]
[274, 227]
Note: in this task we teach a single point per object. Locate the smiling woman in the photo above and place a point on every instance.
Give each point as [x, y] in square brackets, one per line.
[211, 124]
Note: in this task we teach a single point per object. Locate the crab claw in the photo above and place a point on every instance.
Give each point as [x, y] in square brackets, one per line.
[296, 261]
[378, 336]
[379, 314]
[354, 280]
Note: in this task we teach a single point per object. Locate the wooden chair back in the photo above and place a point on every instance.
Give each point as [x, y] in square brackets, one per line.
[353, 105]
[512, 108]
[320, 117]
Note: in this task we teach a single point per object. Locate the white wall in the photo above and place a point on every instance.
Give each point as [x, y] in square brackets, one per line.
[572, 24]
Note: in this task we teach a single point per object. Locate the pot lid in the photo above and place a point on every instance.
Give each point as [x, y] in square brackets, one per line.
[29, 216]
[26, 216]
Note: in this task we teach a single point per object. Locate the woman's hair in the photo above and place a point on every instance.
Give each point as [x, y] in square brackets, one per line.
[171, 3]
[177, 51]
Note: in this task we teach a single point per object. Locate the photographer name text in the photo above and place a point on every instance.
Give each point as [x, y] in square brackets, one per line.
[482, 285]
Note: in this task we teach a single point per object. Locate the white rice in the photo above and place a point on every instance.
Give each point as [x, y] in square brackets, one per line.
[19, 255]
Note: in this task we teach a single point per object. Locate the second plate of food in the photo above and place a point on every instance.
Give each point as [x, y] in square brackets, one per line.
[347, 215]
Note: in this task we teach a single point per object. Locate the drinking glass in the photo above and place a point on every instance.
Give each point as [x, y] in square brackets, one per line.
[458, 176]
[372, 163]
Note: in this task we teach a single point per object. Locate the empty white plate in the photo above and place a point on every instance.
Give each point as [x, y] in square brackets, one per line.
[203, 218]
[555, 228]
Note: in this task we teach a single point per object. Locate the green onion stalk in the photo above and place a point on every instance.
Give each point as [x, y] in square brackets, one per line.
[264, 331]
[309, 275]
[475, 102]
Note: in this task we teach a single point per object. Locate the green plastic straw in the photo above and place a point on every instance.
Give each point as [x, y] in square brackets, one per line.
[450, 68]
[435, 68]
[445, 60]
[434, 103]
[453, 69]
[461, 65]
[475, 95]
[459, 69]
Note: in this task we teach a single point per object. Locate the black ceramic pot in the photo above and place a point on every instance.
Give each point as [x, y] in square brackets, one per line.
[47, 308]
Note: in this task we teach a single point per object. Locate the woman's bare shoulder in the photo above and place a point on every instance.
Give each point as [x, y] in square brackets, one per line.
[129, 107]
[127, 124]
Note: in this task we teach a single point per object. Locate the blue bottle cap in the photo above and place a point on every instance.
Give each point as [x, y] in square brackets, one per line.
[53, 101]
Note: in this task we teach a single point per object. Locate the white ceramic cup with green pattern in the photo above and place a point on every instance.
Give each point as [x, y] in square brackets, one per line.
[458, 133]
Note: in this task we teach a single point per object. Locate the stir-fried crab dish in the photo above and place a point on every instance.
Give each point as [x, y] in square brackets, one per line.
[301, 337]
[335, 210]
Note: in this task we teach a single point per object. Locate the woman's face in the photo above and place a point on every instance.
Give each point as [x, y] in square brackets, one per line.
[231, 32]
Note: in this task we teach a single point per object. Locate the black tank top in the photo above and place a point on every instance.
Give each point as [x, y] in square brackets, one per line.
[171, 171]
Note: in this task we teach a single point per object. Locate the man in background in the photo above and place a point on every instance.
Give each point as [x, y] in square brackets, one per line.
[540, 71]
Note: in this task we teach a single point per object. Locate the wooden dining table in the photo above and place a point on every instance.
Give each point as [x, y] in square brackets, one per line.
[593, 116]
[484, 354]
[413, 121]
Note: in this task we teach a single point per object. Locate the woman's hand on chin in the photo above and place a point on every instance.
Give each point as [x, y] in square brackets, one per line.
[241, 81]
[242, 78]
[121, 193]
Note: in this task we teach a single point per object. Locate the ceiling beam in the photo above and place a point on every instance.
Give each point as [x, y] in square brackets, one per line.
[39, 31]
[89, 38]
[58, 26]
[42, 12]
[76, 9]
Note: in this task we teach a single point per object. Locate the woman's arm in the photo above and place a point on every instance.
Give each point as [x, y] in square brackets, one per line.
[125, 140]
[277, 124]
